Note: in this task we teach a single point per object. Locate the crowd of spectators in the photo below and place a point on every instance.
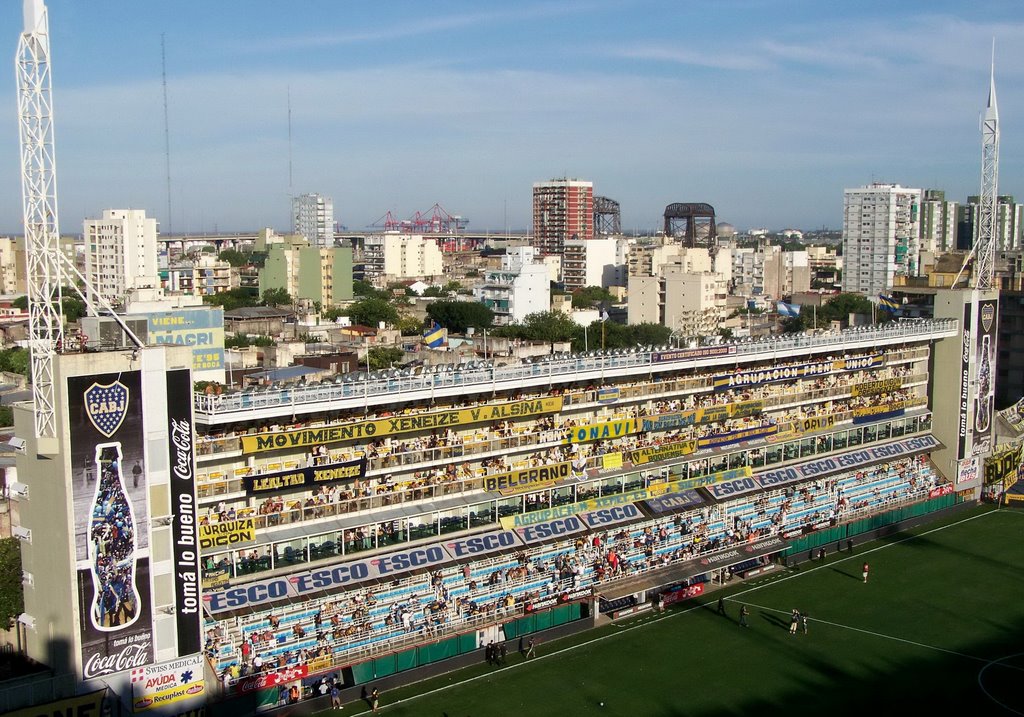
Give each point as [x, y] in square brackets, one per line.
[458, 597]
[547, 436]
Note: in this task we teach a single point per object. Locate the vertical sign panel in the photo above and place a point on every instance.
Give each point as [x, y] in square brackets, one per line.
[111, 510]
[965, 383]
[183, 509]
[985, 348]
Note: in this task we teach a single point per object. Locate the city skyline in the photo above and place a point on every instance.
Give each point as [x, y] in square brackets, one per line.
[395, 107]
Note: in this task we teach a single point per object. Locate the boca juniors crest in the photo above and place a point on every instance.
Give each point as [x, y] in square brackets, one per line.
[988, 315]
[106, 406]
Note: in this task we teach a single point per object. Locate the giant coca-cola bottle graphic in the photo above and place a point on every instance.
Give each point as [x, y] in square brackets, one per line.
[115, 603]
[983, 406]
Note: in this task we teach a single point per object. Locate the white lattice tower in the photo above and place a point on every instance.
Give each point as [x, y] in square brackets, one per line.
[988, 214]
[39, 197]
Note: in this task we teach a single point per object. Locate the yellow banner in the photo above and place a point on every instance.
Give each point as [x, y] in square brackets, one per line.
[527, 478]
[227, 533]
[611, 461]
[709, 414]
[1003, 466]
[169, 696]
[361, 430]
[746, 408]
[661, 453]
[603, 431]
[216, 578]
[865, 411]
[814, 423]
[873, 388]
[585, 506]
[320, 663]
[88, 705]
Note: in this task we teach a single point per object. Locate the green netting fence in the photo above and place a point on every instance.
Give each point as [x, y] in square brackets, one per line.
[461, 644]
[841, 533]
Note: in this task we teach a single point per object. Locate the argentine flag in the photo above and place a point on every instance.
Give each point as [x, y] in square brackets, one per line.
[788, 310]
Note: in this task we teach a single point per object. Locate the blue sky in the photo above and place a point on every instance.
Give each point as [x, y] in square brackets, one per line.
[766, 109]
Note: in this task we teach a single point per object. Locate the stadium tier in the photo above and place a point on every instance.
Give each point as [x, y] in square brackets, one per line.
[351, 519]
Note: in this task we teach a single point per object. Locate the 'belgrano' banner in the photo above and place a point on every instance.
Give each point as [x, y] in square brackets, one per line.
[111, 522]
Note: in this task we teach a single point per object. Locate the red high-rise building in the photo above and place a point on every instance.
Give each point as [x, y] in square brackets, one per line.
[562, 209]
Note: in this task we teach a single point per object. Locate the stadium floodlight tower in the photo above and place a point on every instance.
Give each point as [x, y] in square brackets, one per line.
[39, 202]
[45, 263]
[984, 263]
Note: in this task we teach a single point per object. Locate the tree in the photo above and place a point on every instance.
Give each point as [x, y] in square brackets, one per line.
[371, 311]
[793, 325]
[650, 334]
[590, 296]
[232, 299]
[6, 416]
[241, 341]
[457, 316]
[331, 313]
[72, 307]
[364, 288]
[233, 257]
[385, 356]
[409, 326]
[12, 598]
[14, 360]
[277, 297]
[549, 326]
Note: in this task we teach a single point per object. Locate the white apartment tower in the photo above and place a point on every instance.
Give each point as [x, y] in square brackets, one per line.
[394, 256]
[938, 222]
[120, 253]
[881, 237]
[520, 288]
[313, 218]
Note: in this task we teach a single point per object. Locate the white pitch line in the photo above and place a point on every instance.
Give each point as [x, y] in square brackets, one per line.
[556, 653]
[665, 616]
[795, 574]
[876, 634]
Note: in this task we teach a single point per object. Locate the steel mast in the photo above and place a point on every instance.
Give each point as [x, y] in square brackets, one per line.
[39, 202]
[988, 214]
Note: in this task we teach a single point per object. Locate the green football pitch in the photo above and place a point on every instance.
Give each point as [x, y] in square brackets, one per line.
[938, 628]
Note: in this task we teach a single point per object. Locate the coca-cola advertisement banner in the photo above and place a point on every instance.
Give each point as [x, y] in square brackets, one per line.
[183, 510]
[111, 511]
[271, 679]
[985, 346]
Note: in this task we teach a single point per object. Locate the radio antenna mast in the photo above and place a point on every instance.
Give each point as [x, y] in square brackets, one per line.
[167, 135]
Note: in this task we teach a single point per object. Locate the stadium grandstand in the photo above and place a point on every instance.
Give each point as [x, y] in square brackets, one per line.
[407, 516]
